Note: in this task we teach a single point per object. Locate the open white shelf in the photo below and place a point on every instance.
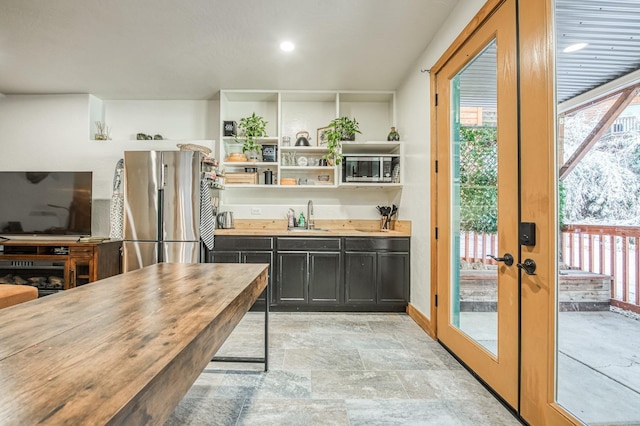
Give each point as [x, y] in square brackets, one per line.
[290, 112]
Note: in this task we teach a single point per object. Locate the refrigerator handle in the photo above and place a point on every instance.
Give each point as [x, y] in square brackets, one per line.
[163, 174]
[160, 222]
[163, 183]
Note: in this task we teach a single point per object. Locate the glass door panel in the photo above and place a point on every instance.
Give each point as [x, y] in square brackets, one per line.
[598, 180]
[474, 195]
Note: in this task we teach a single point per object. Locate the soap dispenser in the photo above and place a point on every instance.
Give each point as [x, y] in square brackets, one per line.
[301, 220]
[291, 220]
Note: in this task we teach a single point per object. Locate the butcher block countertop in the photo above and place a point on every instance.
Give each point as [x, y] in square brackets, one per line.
[330, 228]
[123, 350]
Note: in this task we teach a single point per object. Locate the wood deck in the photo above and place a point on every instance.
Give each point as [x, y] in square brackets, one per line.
[121, 350]
[578, 291]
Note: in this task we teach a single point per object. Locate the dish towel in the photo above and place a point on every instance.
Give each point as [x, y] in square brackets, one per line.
[116, 212]
[206, 215]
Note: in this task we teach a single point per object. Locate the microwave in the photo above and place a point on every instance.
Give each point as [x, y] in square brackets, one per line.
[365, 168]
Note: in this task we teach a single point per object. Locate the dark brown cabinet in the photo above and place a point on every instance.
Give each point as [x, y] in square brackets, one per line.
[360, 277]
[232, 249]
[326, 273]
[309, 271]
[392, 278]
[53, 266]
[377, 271]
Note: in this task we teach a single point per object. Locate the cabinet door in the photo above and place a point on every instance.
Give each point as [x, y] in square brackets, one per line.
[393, 277]
[292, 278]
[324, 278]
[107, 260]
[360, 277]
[261, 257]
[79, 272]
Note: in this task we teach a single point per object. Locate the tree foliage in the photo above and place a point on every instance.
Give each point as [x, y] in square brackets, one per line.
[604, 187]
[478, 179]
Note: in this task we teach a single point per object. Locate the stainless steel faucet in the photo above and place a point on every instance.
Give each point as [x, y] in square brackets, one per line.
[311, 223]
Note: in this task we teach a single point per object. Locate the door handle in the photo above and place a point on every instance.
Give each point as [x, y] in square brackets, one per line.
[507, 259]
[528, 266]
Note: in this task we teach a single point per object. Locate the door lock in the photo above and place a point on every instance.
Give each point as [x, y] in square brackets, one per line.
[528, 266]
[507, 259]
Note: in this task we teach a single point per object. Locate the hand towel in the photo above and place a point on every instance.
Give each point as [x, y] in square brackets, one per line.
[207, 224]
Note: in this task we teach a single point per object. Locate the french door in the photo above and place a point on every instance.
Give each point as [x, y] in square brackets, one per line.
[477, 203]
[495, 172]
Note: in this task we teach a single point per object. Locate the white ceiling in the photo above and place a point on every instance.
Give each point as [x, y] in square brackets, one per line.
[177, 49]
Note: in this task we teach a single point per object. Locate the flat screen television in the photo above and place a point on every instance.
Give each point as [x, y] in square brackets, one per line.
[45, 203]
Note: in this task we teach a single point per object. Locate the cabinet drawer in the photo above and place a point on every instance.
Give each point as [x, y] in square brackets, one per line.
[242, 243]
[81, 251]
[375, 244]
[308, 244]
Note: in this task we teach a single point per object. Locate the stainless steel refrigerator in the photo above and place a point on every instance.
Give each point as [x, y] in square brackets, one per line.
[161, 207]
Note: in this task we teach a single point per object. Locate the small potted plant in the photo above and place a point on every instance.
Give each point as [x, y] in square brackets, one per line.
[251, 128]
[340, 129]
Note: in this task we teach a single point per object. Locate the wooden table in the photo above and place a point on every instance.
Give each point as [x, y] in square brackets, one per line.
[123, 350]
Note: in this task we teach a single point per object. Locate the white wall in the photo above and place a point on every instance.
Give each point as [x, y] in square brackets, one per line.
[413, 105]
[51, 132]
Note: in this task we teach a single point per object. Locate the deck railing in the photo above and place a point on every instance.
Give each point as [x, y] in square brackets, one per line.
[474, 247]
[609, 250]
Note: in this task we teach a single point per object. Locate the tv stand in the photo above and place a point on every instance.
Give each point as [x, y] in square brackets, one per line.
[57, 265]
[40, 238]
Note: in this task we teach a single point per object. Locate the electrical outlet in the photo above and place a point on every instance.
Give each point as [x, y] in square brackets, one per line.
[256, 211]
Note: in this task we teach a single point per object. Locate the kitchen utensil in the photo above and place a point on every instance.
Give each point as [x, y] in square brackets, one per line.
[225, 220]
[302, 138]
[268, 177]
[386, 213]
[384, 223]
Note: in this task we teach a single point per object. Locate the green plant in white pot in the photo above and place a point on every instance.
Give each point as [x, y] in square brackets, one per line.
[251, 128]
[340, 129]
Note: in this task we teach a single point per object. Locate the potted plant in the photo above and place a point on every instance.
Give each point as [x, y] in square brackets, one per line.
[251, 128]
[340, 129]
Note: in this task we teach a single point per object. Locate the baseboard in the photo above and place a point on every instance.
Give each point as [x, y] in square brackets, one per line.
[421, 320]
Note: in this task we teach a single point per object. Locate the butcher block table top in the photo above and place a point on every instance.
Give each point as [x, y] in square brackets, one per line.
[123, 350]
[324, 228]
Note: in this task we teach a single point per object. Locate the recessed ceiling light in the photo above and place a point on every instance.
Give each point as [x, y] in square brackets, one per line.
[287, 46]
[575, 47]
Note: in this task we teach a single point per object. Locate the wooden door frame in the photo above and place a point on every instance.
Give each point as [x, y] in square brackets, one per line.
[538, 152]
[537, 136]
[499, 369]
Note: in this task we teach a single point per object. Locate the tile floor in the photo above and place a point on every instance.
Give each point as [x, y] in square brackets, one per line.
[338, 369]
